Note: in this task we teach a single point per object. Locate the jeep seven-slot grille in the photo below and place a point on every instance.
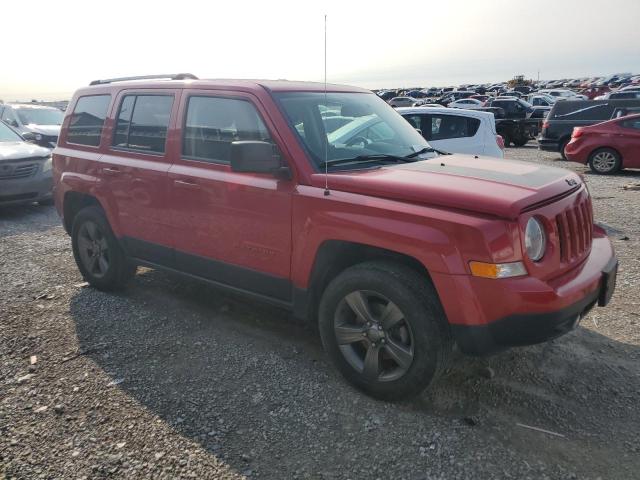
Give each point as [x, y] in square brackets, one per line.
[575, 229]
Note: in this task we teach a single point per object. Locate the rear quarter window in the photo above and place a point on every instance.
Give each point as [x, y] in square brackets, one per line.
[453, 126]
[87, 120]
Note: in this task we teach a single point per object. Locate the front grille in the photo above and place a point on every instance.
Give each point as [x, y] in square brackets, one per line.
[17, 171]
[575, 231]
[20, 196]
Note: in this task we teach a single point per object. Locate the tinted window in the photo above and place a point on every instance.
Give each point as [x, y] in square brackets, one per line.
[582, 111]
[635, 123]
[142, 122]
[211, 125]
[452, 126]
[87, 120]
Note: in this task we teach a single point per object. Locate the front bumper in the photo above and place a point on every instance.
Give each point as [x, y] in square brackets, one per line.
[35, 188]
[490, 315]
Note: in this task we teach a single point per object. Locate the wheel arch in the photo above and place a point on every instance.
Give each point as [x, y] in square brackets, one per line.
[73, 203]
[335, 256]
[606, 147]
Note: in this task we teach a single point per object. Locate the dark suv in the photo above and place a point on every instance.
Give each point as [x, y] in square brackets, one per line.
[394, 250]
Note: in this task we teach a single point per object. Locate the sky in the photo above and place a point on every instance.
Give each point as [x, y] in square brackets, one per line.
[64, 44]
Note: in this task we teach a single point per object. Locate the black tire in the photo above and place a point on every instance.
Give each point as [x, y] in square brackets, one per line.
[118, 270]
[422, 319]
[605, 161]
[520, 141]
[563, 144]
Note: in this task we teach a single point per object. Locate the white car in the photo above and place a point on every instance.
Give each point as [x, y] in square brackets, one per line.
[563, 94]
[404, 102]
[540, 99]
[456, 130]
[466, 103]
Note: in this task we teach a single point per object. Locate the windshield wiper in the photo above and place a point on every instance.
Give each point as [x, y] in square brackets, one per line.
[427, 150]
[366, 159]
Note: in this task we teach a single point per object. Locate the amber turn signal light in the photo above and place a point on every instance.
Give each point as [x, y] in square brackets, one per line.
[497, 270]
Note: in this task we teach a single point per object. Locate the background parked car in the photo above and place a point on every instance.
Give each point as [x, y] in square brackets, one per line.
[607, 147]
[540, 100]
[564, 94]
[466, 103]
[564, 116]
[456, 130]
[404, 102]
[520, 122]
[41, 124]
[25, 170]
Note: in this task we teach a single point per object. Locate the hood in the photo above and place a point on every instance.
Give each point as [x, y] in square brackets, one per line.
[491, 186]
[20, 150]
[48, 130]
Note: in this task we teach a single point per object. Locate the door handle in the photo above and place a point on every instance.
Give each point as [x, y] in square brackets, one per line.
[186, 184]
[111, 171]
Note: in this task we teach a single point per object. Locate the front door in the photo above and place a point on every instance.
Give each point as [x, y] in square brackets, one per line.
[229, 227]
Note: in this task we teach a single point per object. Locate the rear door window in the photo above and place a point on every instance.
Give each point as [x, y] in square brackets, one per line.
[212, 123]
[142, 122]
[452, 126]
[87, 120]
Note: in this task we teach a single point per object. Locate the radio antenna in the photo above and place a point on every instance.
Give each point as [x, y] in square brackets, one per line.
[326, 143]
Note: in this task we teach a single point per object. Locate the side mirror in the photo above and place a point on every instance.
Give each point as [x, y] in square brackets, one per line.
[29, 136]
[255, 157]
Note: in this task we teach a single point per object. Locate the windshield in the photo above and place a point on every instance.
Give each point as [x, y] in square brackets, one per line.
[367, 126]
[40, 116]
[8, 135]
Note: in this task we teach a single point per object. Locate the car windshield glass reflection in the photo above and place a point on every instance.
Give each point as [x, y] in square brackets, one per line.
[342, 126]
[40, 116]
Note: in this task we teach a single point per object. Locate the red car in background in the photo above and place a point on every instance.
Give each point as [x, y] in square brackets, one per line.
[608, 146]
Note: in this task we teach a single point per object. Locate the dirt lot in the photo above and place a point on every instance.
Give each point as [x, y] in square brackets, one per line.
[171, 379]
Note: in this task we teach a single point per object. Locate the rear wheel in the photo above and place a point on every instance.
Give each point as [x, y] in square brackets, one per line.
[563, 144]
[383, 327]
[605, 161]
[97, 252]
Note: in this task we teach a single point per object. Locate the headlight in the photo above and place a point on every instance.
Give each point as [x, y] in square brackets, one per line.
[46, 166]
[535, 240]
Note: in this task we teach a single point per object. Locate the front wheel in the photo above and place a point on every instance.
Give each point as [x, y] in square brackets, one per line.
[97, 252]
[383, 327]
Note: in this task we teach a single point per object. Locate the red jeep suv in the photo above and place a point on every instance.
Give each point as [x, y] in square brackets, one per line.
[397, 250]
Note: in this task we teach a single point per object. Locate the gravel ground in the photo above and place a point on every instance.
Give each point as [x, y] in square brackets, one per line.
[171, 379]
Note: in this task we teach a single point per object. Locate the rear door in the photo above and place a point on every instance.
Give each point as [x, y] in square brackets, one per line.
[629, 142]
[229, 227]
[134, 169]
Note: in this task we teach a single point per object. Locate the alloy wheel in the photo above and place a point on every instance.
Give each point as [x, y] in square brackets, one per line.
[374, 336]
[93, 249]
[604, 161]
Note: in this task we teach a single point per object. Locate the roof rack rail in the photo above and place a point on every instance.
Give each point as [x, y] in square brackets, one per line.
[170, 76]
